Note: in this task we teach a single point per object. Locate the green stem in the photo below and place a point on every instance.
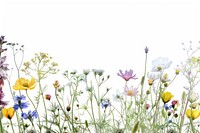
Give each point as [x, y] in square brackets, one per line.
[40, 127]
[1, 127]
[12, 126]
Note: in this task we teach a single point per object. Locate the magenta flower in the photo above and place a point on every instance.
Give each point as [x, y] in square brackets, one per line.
[130, 91]
[127, 75]
[2, 102]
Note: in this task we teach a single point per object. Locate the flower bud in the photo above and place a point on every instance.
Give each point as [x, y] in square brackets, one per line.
[48, 96]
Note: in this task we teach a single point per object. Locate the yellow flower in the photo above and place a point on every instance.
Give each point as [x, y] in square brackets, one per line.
[8, 113]
[24, 84]
[56, 84]
[166, 96]
[194, 113]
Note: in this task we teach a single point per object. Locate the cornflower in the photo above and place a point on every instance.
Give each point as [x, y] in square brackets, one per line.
[20, 102]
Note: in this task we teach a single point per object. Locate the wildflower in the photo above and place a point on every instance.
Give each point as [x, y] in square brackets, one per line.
[20, 102]
[175, 103]
[2, 103]
[24, 84]
[147, 106]
[86, 71]
[68, 108]
[150, 82]
[117, 97]
[8, 112]
[130, 91]
[193, 105]
[193, 97]
[146, 50]
[153, 75]
[166, 96]
[105, 104]
[56, 84]
[48, 96]
[2, 38]
[165, 78]
[160, 64]
[192, 113]
[3, 67]
[167, 107]
[98, 72]
[127, 75]
[30, 115]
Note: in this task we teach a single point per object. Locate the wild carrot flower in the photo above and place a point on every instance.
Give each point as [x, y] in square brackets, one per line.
[160, 64]
[8, 112]
[166, 96]
[127, 75]
[30, 115]
[24, 84]
[192, 113]
[130, 91]
[20, 102]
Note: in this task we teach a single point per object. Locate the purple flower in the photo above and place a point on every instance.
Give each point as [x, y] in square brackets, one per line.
[2, 40]
[30, 115]
[105, 104]
[20, 102]
[146, 50]
[2, 103]
[127, 75]
[3, 67]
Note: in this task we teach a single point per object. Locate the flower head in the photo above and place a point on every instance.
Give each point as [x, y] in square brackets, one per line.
[130, 91]
[24, 84]
[117, 97]
[160, 64]
[127, 75]
[8, 112]
[20, 102]
[105, 103]
[166, 96]
[2, 102]
[56, 84]
[30, 115]
[48, 96]
[193, 114]
[193, 97]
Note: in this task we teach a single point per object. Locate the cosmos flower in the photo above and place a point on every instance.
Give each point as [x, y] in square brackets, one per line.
[127, 75]
[160, 64]
[8, 112]
[24, 84]
[130, 91]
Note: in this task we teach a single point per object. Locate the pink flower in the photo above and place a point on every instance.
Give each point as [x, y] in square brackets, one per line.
[127, 75]
[130, 91]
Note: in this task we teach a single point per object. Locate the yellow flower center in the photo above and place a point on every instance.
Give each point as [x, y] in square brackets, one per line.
[25, 84]
[159, 68]
[130, 92]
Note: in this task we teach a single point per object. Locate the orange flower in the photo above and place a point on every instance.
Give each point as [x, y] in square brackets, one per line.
[24, 84]
[56, 84]
[8, 113]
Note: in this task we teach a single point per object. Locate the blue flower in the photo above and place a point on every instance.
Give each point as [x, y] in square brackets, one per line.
[30, 115]
[20, 102]
[167, 107]
[105, 103]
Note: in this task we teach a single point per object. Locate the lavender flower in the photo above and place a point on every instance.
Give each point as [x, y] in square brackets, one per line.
[3, 67]
[127, 75]
[2, 103]
[20, 102]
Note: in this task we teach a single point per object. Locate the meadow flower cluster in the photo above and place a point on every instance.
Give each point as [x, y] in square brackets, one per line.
[82, 102]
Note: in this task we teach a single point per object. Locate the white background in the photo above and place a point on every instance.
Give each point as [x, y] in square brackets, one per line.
[109, 35]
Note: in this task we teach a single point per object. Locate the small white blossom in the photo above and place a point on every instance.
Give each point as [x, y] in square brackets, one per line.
[160, 64]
